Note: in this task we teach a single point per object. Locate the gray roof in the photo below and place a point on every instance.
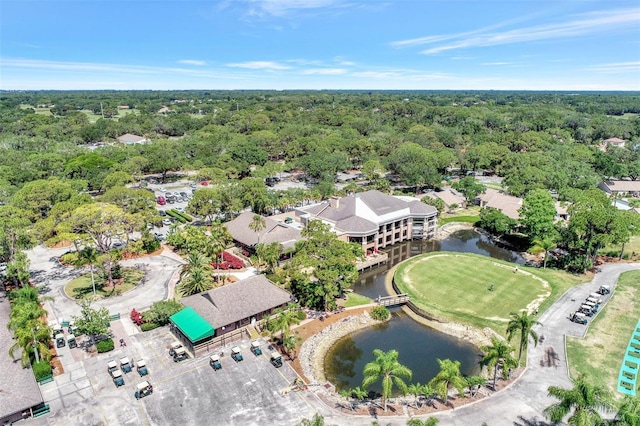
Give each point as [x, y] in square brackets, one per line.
[350, 215]
[128, 137]
[233, 302]
[274, 232]
[18, 387]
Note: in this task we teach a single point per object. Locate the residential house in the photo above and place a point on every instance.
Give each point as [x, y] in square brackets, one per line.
[507, 204]
[373, 219]
[621, 188]
[449, 196]
[129, 139]
[216, 312]
[615, 142]
[273, 232]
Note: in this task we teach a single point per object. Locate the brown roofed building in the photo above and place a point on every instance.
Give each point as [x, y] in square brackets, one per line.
[19, 391]
[507, 204]
[235, 305]
[449, 196]
[619, 188]
[274, 232]
[374, 219]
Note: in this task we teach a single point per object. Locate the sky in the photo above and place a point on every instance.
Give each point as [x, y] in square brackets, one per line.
[320, 44]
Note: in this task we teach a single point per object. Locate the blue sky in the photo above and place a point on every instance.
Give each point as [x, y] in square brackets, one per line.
[320, 44]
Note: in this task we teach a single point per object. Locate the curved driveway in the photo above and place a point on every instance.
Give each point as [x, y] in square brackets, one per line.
[523, 402]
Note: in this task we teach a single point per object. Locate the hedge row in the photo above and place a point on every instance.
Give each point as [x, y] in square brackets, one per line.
[182, 217]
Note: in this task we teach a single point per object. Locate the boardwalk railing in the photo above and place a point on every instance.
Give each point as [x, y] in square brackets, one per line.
[399, 299]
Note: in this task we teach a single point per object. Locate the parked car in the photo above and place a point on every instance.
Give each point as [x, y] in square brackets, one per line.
[184, 194]
[161, 200]
[163, 213]
[180, 209]
[166, 222]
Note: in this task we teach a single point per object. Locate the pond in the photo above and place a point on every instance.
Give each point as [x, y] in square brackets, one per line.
[419, 346]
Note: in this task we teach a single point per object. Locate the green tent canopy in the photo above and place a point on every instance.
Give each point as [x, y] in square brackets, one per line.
[192, 325]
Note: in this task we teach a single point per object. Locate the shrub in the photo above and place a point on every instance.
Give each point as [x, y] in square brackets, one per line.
[41, 369]
[151, 245]
[136, 317]
[302, 315]
[105, 345]
[69, 258]
[380, 313]
[160, 312]
[147, 326]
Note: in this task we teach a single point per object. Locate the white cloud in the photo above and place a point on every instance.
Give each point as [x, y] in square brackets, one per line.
[192, 62]
[324, 71]
[617, 67]
[259, 65]
[614, 20]
[280, 8]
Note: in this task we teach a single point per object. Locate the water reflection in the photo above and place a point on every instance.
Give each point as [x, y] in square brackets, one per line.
[418, 345]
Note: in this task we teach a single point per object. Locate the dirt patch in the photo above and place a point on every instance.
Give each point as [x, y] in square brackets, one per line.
[61, 244]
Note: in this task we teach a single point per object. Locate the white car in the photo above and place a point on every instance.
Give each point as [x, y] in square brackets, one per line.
[166, 222]
[180, 209]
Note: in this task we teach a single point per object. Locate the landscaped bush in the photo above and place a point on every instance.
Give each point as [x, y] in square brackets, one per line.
[147, 326]
[136, 317]
[160, 312]
[150, 245]
[380, 313]
[41, 369]
[175, 214]
[105, 346]
[302, 315]
[69, 258]
[229, 261]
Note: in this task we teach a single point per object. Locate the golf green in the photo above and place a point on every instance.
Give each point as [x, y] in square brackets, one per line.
[470, 288]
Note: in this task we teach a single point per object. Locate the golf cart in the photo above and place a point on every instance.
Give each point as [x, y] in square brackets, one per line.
[143, 389]
[255, 348]
[125, 365]
[71, 341]
[112, 366]
[593, 300]
[142, 367]
[55, 328]
[235, 354]
[604, 289]
[595, 296]
[214, 360]
[174, 346]
[180, 354]
[594, 306]
[118, 380]
[578, 317]
[60, 342]
[586, 309]
[276, 359]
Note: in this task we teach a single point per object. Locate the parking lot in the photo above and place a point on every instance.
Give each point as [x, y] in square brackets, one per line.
[189, 392]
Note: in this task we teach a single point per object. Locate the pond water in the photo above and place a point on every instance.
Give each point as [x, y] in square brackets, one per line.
[419, 346]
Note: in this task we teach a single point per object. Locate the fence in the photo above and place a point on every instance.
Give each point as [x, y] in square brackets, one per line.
[222, 340]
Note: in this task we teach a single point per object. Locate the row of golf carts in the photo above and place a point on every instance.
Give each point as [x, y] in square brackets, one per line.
[58, 335]
[116, 371]
[236, 355]
[590, 306]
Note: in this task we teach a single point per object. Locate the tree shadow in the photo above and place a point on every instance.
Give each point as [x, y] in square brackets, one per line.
[531, 422]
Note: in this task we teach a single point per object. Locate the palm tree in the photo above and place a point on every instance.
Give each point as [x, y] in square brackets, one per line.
[285, 318]
[584, 400]
[418, 390]
[498, 354]
[291, 343]
[89, 254]
[431, 421]
[387, 367]
[474, 383]
[316, 420]
[546, 245]
[196, 261]
[628, 412]
[449, 375]
[257, 224]
[522, 323]
[194, 281]
[33, 335]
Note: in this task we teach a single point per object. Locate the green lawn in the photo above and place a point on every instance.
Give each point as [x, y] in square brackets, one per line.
[601, 352]
[81, 287]
[468, 215]
[456, 287]
[466, 219]
[354, 299]
[632, 248]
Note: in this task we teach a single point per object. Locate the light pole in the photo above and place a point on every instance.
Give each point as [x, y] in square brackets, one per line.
[35, 344]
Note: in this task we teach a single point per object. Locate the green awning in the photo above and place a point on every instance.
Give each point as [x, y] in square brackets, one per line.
[192, 325]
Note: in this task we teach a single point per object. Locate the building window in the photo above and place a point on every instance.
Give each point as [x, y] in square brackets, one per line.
[388, 239]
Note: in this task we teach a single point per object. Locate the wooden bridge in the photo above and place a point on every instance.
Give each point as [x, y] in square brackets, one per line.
[398, 299]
